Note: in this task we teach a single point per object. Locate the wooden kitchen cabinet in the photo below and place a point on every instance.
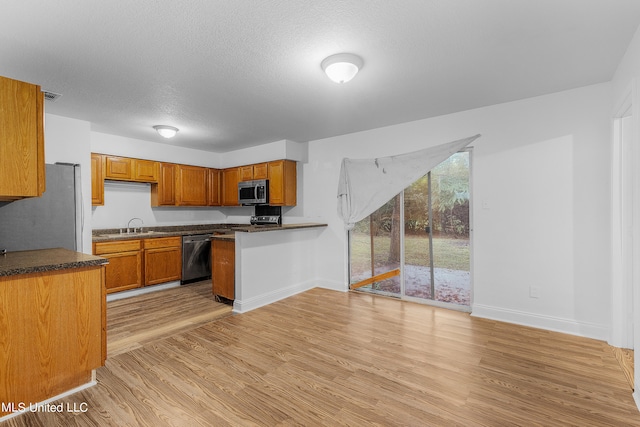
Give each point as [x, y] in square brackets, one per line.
[213, 188]
[261, 171]
[118, 168]
[127, 169]
[162, 260]
[124, 270]
[53, 333]
[251, 172]
[163, 193]
[191, 186]
[97, 180]
[282, 183]
[223, 267]
[245, 172]
[230, 179]
[145, 170]
[22, 168]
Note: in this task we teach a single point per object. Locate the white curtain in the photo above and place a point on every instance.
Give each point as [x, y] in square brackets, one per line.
[367, 184]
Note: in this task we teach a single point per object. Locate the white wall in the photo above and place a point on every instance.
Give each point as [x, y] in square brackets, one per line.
[542, 168]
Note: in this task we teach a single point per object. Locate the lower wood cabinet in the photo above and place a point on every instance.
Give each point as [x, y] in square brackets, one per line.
[162, 260]
[52, 333]
[140, 262]
[124, 270]
[223, 267]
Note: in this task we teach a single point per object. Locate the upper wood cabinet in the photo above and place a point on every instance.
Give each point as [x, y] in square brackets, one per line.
[145, 170]
[184, 185]
[22, 169]
[213, 188]
[97, 180]
[164, 192]
[282, 183]
[117, 168]
[126, 169]
[245, 173]
[191, 186]
[230, 179]
[251, 172]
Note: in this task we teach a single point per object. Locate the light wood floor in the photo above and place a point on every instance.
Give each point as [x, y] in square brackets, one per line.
[332, 358]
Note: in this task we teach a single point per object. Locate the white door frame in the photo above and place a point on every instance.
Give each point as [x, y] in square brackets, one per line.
[621, 225]
[625, 267]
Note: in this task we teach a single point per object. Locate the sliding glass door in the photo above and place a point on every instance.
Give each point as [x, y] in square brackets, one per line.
[417, 245]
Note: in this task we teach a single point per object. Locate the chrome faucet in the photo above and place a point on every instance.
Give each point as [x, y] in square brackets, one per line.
[134, 229]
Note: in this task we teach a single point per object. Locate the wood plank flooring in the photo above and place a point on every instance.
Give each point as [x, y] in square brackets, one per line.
[624, 356]
[325, 358]
[132, 322]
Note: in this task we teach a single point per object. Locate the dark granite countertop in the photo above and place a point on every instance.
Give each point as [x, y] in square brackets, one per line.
[43, 260]
[228, 230]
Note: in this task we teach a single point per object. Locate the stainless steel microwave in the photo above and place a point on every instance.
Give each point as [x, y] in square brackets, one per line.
[254, 192]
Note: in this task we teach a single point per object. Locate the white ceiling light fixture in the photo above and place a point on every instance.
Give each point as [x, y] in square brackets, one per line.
[166, 131]
[342, 67]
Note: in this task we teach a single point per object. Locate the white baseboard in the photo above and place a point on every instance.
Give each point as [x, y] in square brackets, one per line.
[332, 285]
[243, 306]
[557, 324]
[636, 398]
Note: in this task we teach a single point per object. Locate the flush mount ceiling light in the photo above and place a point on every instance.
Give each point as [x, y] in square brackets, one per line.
[166, 131]
[342, 67]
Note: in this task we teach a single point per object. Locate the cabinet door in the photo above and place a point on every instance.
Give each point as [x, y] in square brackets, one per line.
[230, 187]
[282, 183]
[118, 168]
[260, 171]
[162, 265]
[124, 271]
[223, 253]
[97, 180]
[145, 170]
[22, 169]
[213, 188]
[164, 192]
[246, 173]
[192, 186]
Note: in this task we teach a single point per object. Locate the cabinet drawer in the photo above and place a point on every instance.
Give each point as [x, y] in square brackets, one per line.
[117, 246]
[162, 242]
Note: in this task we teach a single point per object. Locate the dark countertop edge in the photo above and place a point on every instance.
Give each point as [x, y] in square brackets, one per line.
[44, 260]
[227, 229]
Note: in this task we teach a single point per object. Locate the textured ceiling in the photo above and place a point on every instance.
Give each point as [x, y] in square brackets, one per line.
[234, 74]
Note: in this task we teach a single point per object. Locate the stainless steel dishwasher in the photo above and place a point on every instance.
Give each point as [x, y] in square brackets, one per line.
[196, 257]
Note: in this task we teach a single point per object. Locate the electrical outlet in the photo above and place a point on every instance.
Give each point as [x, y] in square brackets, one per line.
[534, 291]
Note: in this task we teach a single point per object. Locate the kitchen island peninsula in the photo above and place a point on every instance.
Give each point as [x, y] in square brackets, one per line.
[267, 263]
[52, 325]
